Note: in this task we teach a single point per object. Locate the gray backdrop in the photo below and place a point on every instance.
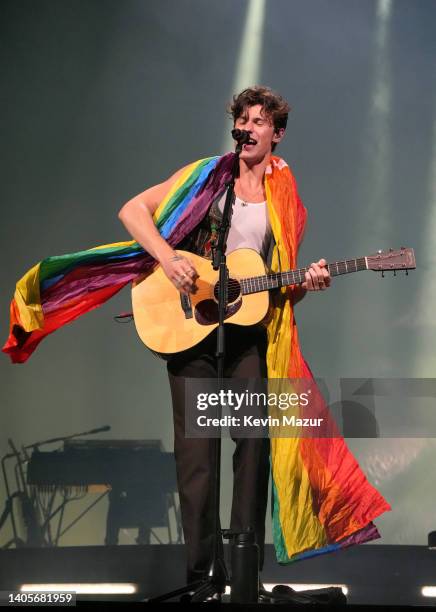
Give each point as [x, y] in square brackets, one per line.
[102, 99]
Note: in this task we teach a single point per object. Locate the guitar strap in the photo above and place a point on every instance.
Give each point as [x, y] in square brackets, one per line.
[200, 240]
[269, 256]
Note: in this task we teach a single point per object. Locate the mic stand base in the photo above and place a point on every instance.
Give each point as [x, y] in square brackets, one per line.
[210, 589]
[206, 590]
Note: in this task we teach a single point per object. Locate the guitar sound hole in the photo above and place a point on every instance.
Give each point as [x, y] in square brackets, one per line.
[206, 311]
[233, 288]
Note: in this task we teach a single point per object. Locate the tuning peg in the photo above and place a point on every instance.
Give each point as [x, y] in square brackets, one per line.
[383, 274]
[395, 273]
[407, 272]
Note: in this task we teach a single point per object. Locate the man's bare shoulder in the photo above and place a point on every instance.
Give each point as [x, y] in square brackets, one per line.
[153, 196]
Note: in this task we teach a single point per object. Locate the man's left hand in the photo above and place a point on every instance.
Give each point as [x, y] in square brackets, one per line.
[317, 277]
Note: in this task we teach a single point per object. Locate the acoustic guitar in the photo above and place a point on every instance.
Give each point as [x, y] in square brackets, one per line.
[168, 321]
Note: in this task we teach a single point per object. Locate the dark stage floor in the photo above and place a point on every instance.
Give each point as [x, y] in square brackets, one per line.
[373, 575]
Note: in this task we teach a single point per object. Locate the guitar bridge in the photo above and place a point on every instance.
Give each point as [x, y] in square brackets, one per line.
[186, 304]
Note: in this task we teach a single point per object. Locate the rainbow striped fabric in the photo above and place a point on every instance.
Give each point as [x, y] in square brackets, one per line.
[59, 289]
[322, 501]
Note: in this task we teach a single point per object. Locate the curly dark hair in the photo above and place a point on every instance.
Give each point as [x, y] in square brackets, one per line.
[273, 105]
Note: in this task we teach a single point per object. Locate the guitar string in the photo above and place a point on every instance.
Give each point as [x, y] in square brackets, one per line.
[257, 284]
[250, 282]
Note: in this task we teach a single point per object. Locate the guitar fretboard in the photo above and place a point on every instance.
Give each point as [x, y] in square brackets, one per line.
[255, 284]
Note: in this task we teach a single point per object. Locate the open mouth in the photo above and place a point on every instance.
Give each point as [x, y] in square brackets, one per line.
[250, 142]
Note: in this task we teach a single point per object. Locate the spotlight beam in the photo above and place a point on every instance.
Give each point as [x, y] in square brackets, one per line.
[249, 57]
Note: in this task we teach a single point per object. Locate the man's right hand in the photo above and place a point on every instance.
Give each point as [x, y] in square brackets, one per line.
[181, 273]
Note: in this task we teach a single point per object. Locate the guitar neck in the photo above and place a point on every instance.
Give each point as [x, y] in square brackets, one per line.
[255, 284]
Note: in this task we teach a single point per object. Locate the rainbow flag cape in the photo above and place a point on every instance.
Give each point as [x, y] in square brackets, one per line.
[322, 501]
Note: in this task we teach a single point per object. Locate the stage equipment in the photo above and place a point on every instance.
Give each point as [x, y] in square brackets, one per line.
[26, 501]
[137, 475]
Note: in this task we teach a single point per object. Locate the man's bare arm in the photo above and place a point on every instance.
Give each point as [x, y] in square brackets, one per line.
[137, 217]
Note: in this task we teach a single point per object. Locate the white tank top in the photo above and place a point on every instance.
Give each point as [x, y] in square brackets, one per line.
[250, 227]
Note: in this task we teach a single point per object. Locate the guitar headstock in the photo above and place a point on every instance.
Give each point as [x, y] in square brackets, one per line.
[385, 261]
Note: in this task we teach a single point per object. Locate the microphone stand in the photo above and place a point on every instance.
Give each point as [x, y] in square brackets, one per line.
[217, 579]
[218, 572]
[35, 446]
[218, 576]
[34, 534]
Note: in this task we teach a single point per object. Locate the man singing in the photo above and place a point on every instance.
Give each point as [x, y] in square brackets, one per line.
[263, 114]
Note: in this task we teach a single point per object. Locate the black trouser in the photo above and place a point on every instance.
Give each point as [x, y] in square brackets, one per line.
[245, 358]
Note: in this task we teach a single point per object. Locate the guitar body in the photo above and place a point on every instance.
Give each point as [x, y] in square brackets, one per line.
[168, 322]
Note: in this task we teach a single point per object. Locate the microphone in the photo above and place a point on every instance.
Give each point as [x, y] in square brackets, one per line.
[241, 136]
